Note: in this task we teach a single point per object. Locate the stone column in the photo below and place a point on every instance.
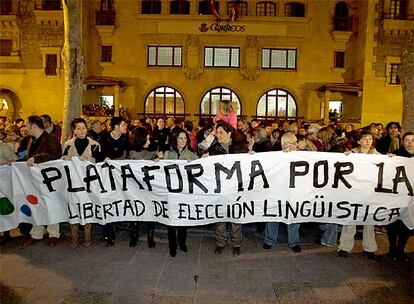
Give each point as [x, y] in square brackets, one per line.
[117, 101]
[193, 7]
[326, 107]
[165, 7]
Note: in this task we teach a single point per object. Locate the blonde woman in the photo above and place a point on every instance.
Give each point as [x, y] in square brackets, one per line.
[226, 113]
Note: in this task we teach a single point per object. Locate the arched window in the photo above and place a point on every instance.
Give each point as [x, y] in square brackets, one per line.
[210, 101]
[164, 101]
[275, 104]
[265, 8]
[107, 5]
[295, 9]
[342, 22]
[241, 10]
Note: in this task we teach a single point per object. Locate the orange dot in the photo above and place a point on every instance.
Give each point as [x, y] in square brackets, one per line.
[32, 199]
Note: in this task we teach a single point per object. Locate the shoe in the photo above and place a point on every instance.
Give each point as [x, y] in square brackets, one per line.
[183, 248]
[173, 252]
[133, 242]
[5, 239]
[317, 241]
[52, 241]
[371, 255]
[73, 245]
[87, 244]
[266, 246]
[297, 248]
[236, 251]
[342, 253]
[218, 250]
[29, 242]
[110, 243]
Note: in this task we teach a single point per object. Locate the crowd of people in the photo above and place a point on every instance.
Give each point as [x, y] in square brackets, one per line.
[37, 139]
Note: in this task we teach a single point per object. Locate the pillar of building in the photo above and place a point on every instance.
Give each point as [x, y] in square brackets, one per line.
[222, 7]
[326, 107]
[117, 101]
[193, 7]
[165, 7]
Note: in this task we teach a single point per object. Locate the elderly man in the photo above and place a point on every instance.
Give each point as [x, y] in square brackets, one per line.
[289, 143]
[42, 147]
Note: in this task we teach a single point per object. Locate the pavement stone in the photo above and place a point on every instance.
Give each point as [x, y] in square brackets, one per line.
[123, 275]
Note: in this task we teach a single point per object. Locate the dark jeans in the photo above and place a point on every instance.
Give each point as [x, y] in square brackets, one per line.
[398, 235]
[134, 230]
[172, 237]
[109, 231]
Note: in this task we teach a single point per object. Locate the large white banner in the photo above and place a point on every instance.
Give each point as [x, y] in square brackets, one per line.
[263, 187]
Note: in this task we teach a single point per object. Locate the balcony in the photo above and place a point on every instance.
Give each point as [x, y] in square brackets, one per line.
[105, 18]
[342, 24]
[48, 5]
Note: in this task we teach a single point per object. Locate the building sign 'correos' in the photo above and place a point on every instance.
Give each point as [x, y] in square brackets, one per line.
[222, 28]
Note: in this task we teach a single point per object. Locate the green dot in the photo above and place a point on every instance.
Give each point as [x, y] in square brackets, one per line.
[6, 207]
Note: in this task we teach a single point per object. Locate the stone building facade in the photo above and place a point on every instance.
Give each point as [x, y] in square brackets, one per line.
[274, 60]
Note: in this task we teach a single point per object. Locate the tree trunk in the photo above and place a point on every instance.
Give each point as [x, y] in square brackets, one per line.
[406, 74]
[73, 63]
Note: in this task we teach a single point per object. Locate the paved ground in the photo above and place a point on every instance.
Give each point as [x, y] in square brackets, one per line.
[42, 275]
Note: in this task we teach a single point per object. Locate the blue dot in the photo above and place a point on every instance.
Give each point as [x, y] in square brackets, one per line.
[26, 210]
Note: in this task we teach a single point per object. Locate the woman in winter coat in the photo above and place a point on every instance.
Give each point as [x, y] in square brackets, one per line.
[179, 150]
[88, 150]
[141, 147]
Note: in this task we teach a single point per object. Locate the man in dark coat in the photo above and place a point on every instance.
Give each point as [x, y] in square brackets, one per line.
[42, 147]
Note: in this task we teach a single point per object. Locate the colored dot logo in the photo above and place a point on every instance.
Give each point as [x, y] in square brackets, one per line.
[6, 207]
[32, 199]
[26, 210]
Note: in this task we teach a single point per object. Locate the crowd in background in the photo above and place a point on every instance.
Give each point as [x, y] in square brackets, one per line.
[37, 139]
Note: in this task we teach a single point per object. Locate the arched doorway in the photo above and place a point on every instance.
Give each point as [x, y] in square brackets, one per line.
[9, 104]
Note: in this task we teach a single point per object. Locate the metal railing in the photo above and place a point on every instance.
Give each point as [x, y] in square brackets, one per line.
[342, 24]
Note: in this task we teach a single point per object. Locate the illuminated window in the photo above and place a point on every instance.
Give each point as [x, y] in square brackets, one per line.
[393, 77]
[222, 57]
[106, 101]
[164, 101]
[164, 56]
[279, 59]
[3, 105]
[276, 104]
[210, 101]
